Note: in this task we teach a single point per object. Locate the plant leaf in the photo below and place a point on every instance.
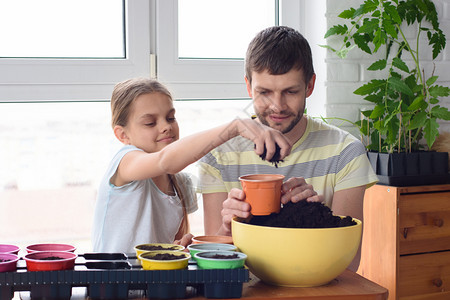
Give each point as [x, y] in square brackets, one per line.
[375, 98]
[400, 86]
[439, 91]
[417, 103]
[347, 14]
[438, 42]
[389, 28]
[431, 131]
[370, 87]
[379, 125]
[366, 113]
[418, 120]
[336, 30]
[378, 65]
[369, 25]
[400, 64]
[369, 6]
[431, 80]
[434, 100]
[392, 12]
[378, 111]
[378, 39]
[440, 112]
[361, 42]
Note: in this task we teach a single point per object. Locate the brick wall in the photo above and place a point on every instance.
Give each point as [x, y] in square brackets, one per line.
[346, 75]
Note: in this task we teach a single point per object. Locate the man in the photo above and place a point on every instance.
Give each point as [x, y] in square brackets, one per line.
[325, 163]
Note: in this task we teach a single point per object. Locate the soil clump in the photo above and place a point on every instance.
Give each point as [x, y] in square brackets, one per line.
[166, 256]
[221, 256]
[156, 247]
[275, 160]
[51, 258]
[303, 214]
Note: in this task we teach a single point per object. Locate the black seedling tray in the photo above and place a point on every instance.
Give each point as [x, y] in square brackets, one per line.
[116, 275]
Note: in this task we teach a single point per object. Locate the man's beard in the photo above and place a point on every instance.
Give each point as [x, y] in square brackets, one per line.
[298, 117]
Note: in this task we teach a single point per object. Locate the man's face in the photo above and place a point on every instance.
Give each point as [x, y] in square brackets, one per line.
[279, 100]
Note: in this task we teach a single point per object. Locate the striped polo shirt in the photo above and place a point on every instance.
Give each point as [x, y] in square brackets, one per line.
[330, 159]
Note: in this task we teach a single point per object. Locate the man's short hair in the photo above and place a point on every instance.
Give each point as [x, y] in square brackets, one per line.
[278, 49]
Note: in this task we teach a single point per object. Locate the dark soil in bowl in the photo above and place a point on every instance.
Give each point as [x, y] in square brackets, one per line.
[166, 256]
[4, 260]
[156, 247]
[221, 256]
[51, 258]
[303, 214]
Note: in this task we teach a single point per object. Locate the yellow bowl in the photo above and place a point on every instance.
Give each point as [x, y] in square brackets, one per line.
[298, 257]
[149, 263]
[156, 247]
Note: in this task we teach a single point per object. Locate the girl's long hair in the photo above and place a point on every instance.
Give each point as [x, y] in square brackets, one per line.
[177, 186]
[123, 95]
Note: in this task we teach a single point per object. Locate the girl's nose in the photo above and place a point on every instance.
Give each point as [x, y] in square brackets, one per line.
[166, 127]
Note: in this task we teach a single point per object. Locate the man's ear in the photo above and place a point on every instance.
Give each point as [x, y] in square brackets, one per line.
[249, 87]
[121, 134]
[310, 86]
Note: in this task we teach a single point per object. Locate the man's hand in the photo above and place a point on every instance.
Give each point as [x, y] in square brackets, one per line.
[233, 206]
[264, 137]
[296, 189]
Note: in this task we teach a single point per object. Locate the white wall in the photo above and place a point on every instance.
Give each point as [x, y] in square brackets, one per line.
[314, 30]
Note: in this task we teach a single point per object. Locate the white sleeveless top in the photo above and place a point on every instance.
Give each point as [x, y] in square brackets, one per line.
[137, 212]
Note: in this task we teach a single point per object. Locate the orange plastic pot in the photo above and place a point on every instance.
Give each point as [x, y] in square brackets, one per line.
[262, 192]
[221, 239]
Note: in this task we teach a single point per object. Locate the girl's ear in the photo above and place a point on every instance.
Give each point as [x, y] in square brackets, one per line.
[121, 134]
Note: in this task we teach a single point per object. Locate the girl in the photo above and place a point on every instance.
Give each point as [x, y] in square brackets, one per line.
[142, 197]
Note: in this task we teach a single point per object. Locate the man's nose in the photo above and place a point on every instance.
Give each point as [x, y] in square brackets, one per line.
[277, 102]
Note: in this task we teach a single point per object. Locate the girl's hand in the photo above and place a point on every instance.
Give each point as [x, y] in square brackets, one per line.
[185, 240]
[264, 138]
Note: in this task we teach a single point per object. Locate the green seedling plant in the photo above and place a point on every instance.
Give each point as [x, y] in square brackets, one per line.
[406, 106]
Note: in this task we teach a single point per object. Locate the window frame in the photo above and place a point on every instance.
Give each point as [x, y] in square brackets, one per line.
[205, 78]
[80, 79]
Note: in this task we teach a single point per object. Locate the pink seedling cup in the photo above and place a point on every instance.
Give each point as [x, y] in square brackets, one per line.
[50, 247]
[8, 262]
[6, 248]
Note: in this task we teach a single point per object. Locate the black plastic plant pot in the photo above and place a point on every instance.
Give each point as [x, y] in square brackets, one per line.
[440, 162]
[410, 169]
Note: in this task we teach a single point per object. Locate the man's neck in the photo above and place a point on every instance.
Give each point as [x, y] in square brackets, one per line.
[297, 132]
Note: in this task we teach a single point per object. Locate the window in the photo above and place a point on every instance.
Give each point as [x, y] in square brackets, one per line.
[28, 79]
[205, 30]
[58, 32]
[192, 72]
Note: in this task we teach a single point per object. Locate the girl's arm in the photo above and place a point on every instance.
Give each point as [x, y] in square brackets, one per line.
[139, 165]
